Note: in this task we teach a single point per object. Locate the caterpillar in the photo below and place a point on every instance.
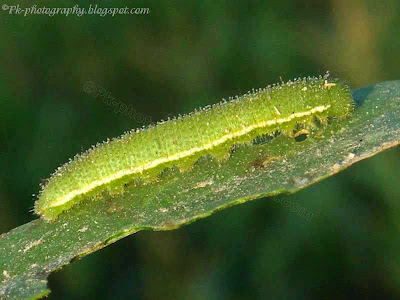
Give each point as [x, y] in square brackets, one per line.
[144, 153]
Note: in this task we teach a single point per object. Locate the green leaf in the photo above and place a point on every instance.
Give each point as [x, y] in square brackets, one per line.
[29, 253]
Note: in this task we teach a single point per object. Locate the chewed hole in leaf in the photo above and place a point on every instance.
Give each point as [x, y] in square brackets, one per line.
[301, 135]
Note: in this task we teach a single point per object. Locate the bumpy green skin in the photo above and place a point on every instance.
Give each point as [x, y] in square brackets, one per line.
[140, 147]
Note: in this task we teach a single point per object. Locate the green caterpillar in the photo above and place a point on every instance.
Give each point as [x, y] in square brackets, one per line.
[182, 141]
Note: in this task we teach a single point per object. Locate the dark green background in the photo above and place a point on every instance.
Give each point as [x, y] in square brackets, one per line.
[183, 55]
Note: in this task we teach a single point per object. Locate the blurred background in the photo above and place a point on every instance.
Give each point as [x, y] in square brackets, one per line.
[65, 82]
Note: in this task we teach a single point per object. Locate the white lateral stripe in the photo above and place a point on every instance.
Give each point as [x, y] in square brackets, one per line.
[161, 160]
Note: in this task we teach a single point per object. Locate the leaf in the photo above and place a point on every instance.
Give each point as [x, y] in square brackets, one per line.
[29, 253]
